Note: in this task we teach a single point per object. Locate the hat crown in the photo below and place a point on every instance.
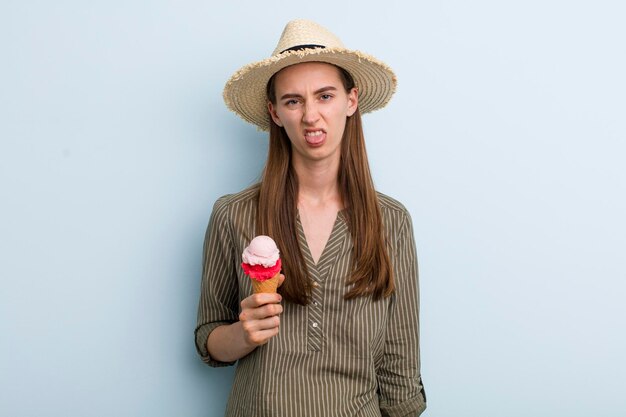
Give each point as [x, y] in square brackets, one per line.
[302, 32]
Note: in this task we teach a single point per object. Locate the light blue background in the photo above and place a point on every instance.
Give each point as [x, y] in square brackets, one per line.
[506, 140]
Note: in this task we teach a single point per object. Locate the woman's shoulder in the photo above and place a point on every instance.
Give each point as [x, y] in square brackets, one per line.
[390, 206]
[241, 200]
[232, 221]
[238, 207]
[395, 216]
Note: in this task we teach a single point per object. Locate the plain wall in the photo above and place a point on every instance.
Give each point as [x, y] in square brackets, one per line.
[506, 140]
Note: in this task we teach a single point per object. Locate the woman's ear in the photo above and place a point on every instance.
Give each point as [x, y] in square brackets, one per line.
[273, 114]
[353, 101]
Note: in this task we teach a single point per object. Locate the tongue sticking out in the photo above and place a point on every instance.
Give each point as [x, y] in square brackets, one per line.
[315, 138]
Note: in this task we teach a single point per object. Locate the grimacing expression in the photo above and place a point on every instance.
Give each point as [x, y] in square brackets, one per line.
[312, 105]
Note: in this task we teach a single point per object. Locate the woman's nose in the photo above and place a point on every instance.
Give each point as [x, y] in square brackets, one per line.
[311, 113]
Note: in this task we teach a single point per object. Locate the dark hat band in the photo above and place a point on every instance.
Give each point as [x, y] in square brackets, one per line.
[302, 47]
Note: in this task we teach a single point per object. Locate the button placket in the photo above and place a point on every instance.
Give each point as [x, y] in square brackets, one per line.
[319, 272]
[315, 324]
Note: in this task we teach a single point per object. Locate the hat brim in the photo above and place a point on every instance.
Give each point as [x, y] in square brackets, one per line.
[245, 92]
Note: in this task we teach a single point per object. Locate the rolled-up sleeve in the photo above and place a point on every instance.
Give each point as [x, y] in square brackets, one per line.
[219, 290]
[399, 379]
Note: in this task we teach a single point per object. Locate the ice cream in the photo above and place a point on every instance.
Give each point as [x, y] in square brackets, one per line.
[261, 262]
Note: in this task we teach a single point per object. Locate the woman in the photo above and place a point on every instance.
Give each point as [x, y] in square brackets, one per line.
[341, 338]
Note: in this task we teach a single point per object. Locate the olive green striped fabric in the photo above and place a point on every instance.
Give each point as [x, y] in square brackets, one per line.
[332, 357]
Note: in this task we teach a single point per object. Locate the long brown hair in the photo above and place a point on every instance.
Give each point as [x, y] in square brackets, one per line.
[277, 209]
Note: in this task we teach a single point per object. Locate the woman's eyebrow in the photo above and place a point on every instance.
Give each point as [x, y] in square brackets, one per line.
[290, 95]
[318, 91]
[325, 89]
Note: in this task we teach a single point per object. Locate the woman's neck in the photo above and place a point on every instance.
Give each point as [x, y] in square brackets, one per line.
[319, 201]
[318, 184]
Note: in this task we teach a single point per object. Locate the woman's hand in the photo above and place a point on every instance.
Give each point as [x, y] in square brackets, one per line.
[260, 317]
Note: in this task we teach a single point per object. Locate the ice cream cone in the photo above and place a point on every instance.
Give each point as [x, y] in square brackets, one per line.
[267, 286]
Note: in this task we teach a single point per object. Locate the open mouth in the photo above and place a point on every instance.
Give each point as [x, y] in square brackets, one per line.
[314, 137]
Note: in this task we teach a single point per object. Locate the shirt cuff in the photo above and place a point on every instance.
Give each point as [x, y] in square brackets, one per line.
[202, 335]
[410, 408]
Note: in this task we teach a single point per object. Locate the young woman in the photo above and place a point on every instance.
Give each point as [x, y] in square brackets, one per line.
[341, 337]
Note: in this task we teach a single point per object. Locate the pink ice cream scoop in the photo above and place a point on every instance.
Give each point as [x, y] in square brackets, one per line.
[261, 261]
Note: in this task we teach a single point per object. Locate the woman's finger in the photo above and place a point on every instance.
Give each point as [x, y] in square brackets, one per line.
[281, 279]
[262, 337]
[257, 300]
[258, 313]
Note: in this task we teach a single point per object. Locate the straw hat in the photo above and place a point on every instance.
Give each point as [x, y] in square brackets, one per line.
[306, 41]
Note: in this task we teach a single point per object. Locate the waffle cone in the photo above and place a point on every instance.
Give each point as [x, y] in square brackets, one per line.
[267, 286]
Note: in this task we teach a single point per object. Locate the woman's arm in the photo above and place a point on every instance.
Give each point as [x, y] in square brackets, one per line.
[227, 331]
[219, 292]
[399, 378]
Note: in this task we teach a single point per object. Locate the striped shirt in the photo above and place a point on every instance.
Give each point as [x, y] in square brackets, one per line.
[331, 357]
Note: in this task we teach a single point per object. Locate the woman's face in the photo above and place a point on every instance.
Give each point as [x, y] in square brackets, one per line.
[312, 105]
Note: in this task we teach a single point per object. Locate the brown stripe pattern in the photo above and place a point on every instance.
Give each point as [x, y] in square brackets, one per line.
[332, 357]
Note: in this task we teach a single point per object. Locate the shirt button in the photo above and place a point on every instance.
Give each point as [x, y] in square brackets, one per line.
[315, 325]
[315, 284]
[315, 303]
